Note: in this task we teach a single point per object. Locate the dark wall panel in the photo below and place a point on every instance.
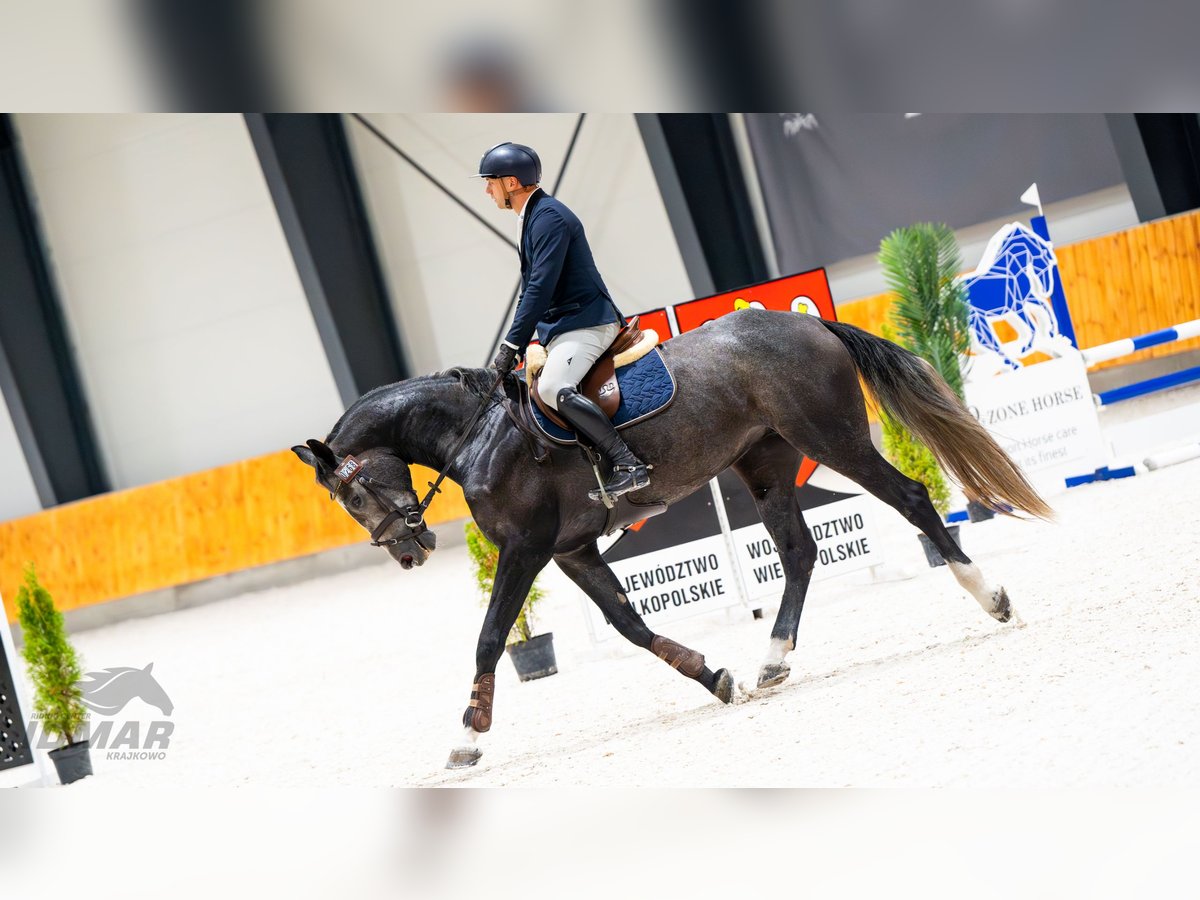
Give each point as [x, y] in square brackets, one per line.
[312, 180]
[709, 173]
[42, 380]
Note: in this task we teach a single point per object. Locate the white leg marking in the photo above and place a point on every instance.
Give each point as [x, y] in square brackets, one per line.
[971, 579]
[778, 650]
[468, 739]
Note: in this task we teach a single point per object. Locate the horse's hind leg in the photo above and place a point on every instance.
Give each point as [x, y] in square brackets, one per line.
[769, 471]
[910, 498]
[834, 432]
[588, 569]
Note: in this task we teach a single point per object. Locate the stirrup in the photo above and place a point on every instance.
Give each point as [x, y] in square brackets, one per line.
[603, 495]
[608, 494]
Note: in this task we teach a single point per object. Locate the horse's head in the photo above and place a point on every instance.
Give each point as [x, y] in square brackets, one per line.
[375, 488]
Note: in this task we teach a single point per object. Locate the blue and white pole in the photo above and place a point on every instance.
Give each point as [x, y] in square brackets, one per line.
[1125, 346]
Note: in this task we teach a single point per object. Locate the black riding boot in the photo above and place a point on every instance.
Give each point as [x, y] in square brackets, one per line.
[628, 472]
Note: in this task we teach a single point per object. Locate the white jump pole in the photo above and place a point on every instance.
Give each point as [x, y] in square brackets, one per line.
[1171, 457]
[1125, 346]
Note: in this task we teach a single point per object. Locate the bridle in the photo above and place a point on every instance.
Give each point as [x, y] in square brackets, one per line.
[351, 470]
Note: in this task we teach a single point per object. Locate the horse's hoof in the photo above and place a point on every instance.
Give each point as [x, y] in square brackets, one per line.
[1002, 609]
[772, 674]
[463, 757]
[723, 689]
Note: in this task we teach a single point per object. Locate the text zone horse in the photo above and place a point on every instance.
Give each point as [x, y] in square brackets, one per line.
[736, 404]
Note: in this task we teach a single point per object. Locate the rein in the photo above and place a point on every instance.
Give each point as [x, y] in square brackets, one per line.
[413, 515]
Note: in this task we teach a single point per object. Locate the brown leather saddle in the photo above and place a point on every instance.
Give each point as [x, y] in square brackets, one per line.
[600, 383]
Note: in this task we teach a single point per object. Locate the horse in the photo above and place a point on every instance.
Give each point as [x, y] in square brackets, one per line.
[736, 404]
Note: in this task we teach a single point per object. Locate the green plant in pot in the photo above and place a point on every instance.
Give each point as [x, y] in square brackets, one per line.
[532, 655]
[54, 670]
[920, 264]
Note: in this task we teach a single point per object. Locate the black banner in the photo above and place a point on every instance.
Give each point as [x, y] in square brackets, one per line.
[836, 184]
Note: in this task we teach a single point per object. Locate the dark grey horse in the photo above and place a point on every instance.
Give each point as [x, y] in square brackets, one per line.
[741, 401]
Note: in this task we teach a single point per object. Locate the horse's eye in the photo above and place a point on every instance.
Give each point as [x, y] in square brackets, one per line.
[356, 501]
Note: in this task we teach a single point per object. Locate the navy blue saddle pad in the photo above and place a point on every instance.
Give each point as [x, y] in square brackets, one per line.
[646, 388]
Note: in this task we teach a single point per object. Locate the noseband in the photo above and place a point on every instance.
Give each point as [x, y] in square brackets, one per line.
[351, 470]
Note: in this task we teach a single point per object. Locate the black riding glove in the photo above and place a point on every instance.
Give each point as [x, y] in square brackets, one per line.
[506, 359]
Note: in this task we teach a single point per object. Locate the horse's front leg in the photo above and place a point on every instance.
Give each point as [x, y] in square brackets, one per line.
[589, 570]
[515, 572]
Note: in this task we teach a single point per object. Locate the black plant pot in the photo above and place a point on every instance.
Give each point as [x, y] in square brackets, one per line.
[931, 552]
[534, 658]
[72, 762]
[977, 512]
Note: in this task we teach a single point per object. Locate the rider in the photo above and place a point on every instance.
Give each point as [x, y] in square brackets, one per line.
[564, 299]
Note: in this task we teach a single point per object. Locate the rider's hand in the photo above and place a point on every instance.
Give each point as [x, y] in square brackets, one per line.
[506, 359]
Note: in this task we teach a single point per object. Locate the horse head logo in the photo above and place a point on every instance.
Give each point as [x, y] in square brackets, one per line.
[109, 691]
[1010, 292]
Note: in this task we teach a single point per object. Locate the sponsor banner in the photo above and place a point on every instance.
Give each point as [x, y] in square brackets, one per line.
[673, 583]
[846, 541]
[1044, 418]
[807, 292]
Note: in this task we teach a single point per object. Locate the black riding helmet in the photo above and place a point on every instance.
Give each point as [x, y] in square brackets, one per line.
[516, 160]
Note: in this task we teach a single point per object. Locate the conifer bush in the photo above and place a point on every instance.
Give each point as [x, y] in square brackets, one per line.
[484, 558]
[54, 667]
[914, 459]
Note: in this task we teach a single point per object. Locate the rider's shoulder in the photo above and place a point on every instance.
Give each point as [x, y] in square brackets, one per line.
[551, 212]
[553, 209]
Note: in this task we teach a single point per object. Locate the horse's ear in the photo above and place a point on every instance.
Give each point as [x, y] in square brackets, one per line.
[320, 458]
[149, 666]
[317, 455]
[307, 457]
[323, 453]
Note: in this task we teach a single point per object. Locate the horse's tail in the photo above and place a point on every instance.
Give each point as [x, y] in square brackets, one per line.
[911, 391]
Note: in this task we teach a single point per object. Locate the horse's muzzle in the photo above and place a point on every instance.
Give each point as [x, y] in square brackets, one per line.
[414, 552]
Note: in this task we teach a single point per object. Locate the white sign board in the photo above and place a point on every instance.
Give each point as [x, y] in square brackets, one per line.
[846, 541]
[673, 583]
[1043, 416]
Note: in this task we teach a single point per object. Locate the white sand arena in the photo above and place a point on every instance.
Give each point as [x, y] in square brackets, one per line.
[361, 679]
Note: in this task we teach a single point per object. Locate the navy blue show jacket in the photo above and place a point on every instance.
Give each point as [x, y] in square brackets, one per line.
[561, 289]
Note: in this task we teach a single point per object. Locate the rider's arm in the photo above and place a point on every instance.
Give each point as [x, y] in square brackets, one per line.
[548, 252]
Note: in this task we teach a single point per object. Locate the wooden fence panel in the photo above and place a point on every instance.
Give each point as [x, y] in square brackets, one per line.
[222, 520]
[1117, 286]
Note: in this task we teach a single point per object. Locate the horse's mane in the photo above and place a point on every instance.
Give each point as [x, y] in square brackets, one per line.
[369, 395]
[477, 382]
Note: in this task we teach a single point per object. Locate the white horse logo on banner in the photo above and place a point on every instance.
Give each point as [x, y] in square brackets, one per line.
[1013, 284]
